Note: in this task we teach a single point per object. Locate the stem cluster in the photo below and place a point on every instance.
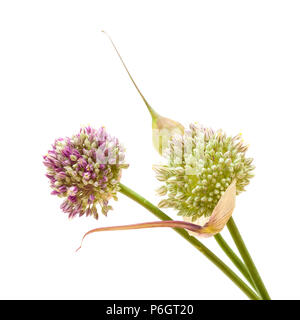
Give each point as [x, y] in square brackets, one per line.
[246, 266]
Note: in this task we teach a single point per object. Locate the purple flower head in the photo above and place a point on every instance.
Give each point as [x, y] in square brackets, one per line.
[85, 169]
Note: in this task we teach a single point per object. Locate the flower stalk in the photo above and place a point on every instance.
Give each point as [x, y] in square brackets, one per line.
[192, 240]
[237, 238]
[235, 259]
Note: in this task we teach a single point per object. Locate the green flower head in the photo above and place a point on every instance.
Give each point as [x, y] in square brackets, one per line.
[201, 164]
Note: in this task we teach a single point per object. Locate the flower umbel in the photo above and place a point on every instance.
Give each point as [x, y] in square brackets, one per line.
[85, 169]
[200, 167]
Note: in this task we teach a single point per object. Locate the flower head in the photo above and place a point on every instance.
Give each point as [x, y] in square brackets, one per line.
[85, 170]
[201, 165]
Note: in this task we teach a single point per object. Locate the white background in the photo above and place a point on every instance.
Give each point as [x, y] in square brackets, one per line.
[227, 64]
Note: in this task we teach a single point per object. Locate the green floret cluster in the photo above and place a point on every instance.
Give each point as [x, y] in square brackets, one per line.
[201, 164]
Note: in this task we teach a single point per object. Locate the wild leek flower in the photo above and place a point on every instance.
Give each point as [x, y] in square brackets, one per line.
[85, 170]
[201, 164]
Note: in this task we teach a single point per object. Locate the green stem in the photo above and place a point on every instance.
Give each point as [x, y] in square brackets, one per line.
[234, 258]
[237, 238]
[192, 240]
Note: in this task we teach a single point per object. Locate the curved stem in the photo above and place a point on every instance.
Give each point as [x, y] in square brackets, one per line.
[197, 244]
[237, 238]
[234, 258]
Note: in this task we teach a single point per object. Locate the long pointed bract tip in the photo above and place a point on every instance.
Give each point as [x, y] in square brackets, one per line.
[151, 110]
[78, 249]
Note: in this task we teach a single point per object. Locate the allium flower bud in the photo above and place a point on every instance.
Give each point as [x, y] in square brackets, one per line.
[201, 165]
[85, 170]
